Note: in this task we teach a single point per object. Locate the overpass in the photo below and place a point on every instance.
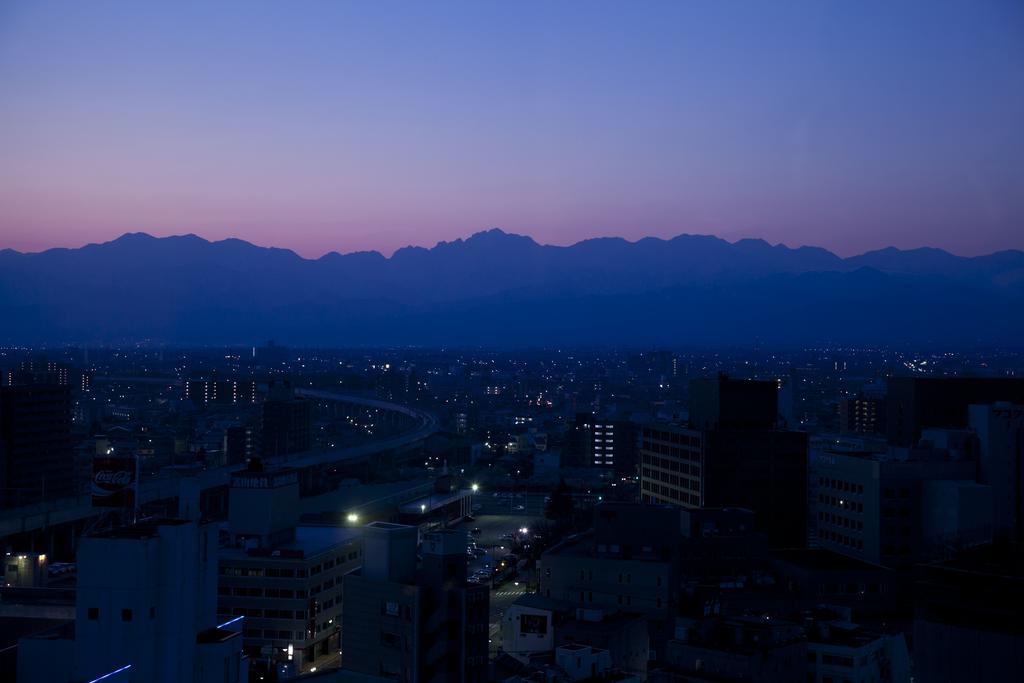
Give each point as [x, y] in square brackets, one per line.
[319, 471]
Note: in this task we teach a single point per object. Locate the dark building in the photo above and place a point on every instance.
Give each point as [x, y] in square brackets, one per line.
[287, 421]
[426, 626]
[967, 622]
[605, 443]
[241, 443]
[35, 443]
[916, 403]
[737, 459]
[725, 403]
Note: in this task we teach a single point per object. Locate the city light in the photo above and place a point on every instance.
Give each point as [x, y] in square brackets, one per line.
[352, 517]
[475, 487]
[423, 507]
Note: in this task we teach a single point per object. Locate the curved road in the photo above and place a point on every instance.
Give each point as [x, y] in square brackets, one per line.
[72, 509]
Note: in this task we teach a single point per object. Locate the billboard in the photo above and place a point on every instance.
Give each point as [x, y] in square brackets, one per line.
[113, 482]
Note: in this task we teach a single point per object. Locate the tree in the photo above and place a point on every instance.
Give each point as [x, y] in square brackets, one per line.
[560, 507]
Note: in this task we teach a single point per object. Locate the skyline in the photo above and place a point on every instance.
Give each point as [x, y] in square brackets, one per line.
[387, 254]
[365, 126]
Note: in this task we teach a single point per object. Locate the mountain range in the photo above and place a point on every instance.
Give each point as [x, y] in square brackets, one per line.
[495, 288]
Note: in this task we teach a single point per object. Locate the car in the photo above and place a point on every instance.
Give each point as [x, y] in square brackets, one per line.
[476, 531]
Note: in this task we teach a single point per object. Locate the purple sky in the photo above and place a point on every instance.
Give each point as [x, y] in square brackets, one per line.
[342, 126]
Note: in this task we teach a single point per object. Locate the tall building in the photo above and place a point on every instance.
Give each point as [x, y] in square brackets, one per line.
[285, 579]
[415, 626]
[737, 458]
[145, 608]
[861, 414]
[287, 421]
[916, 403]
[725, 403]
[36, 458]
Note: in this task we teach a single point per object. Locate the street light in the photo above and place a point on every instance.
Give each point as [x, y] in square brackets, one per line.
[475, 487]
[353, 517]
[423, 507]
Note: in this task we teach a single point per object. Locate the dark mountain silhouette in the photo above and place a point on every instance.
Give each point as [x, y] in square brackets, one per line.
[497, 288]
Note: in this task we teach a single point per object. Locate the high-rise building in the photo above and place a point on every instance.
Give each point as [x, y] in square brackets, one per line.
[287, 421]
[425, 626]
[736, 459]
[861, 414]
[36, 458]
[916, 403]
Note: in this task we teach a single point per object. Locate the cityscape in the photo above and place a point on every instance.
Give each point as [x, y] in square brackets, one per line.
[561, 342]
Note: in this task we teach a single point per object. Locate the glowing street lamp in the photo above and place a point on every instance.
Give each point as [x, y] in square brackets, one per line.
[475, 487]
[353, 517]
[423, 508]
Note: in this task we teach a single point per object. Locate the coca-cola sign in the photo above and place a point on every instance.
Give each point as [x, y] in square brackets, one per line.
[113, 482]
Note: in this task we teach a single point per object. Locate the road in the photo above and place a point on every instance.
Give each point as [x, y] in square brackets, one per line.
[492, 528]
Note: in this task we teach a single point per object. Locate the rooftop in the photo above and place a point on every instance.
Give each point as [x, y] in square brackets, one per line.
[308, 542]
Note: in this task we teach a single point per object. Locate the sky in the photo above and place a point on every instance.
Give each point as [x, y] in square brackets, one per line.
[343, 126]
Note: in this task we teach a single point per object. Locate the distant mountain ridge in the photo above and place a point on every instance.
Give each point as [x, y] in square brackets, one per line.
[499, 288]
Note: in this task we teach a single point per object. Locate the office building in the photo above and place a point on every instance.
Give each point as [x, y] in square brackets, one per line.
[145, 608]
[285, 579]
[415, 625]
[764, 470]
[916, 403]
[885, 510]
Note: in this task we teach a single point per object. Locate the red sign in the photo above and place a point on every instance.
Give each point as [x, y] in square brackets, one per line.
[113, 482]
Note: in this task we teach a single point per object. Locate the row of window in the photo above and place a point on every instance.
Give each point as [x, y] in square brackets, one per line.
[839, 520]
[689, 464]
[673, 479]
[854, 505]
[273, 634]
[840, 485]
[286, 573]
[842, 539]
[670, 493]
[672, 437]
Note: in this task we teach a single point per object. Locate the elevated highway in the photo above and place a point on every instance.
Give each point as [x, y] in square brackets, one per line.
[33, 527]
